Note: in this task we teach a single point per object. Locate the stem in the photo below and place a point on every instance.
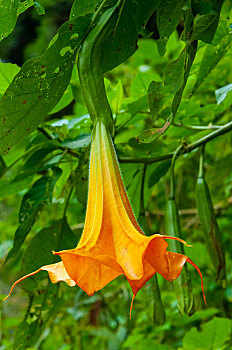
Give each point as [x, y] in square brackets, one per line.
[186, 149]
[201, 163]
[67, 202]
[196, 127]
[172, 179]
[142, 207]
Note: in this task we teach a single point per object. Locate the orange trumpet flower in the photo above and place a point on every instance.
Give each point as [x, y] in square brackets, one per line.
[112, 242]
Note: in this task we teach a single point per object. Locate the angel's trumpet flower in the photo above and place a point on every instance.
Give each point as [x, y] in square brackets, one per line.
[112, 242]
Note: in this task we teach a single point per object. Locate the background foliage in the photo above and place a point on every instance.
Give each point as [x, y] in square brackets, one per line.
[179, 73]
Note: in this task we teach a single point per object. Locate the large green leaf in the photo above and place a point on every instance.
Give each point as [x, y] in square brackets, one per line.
[122, 43]
[215, 52]
[169, 15]
[32, 203]
[57, 236]
[10, 10]
[82, 8]
[8, 17]
[211, 337]
[40, 84]
[7, 73]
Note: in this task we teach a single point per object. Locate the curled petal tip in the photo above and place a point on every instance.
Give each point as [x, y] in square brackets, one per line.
[199, 272]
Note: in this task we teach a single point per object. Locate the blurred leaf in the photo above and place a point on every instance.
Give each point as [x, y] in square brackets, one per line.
[222, 93]
[7, 73]
[2, 165]
[57, 236]
[82, 141]
[39, 8]
[39, 85]
[212, 335]
[32, 203]
[159, 171]
[134, 192]
[138, 105]
[117, 100]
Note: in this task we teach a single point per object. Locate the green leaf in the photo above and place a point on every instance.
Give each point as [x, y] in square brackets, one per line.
[8, 17]
[10, 10]
[2, 165]
[169, 15]
[159, 171]
[65, 100]
[122, 43]
[213, 335]
[32, 203]
[134, 192]
[23, 6]
[7, 73]
[117, 100]
[222, 93]
[138, 105]
[174, 73]
[10, 187]
[214, 53]
[149, 135]
[39, 85]
[204, 27]
[39, 251]
[82, 8]
[156, 94]
[82, 141]
[39, 9]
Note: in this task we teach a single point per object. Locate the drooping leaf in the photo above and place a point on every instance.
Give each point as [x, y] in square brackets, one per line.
[204, 27]
[40, 84]
[82, 8]
[174, 73]
[214, 53]
[32, 203]
[169, 15]
[123, 42]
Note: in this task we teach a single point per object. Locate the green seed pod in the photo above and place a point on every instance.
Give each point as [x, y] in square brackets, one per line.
[90, 69]
[210, 229]
[182, 285]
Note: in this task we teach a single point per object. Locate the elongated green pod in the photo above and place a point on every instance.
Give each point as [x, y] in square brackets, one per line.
[209, 226]
[182, 285]
[90, 69]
